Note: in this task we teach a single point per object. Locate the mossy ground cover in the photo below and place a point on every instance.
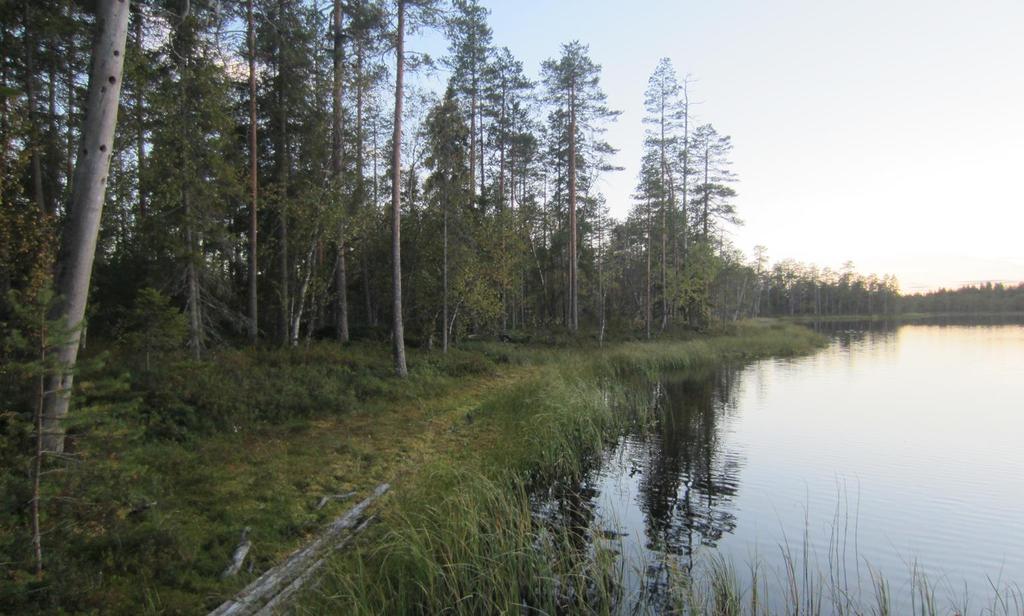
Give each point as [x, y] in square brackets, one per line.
[253, 439]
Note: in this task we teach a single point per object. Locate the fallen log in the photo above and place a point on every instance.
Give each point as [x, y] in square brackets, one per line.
[279, 602]
[329, 497]
[244, 545]
[262, 591]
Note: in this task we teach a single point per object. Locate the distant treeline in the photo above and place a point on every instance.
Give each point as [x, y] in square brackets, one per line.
[790, 288]
[986, 297]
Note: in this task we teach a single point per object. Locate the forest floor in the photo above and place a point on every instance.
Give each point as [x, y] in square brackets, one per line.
[488, 408]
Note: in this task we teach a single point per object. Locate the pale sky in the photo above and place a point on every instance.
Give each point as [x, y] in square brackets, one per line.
[889, 133]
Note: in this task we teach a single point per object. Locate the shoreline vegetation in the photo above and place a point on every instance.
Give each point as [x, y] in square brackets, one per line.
[171, 470]
[476, 535]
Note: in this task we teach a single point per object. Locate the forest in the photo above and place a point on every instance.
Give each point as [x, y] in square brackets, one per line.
[255, 180]
[200, 192]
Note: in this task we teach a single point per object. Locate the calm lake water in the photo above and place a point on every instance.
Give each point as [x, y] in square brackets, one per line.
[894, 448]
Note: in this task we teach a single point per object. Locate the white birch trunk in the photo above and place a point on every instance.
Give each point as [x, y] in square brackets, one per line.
[83, 224]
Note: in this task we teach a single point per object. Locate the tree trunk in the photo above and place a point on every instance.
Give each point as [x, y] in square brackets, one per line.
[686, 172]
[140, 126]
[338, 165]
[707, 194]
[664, 224]
[361, 182]
[444, 282]
[253, 177]
[296, 320]
[648, 310]
[600, 279]
[52, 172]
[37, 462]
[83, 223]
[195, 318]
[69, 138]
[398, 333]
[573, 309]
[35, 140]
[472, 140]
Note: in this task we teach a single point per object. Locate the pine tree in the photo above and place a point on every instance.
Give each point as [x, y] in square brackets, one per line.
[572, 83]
[665, 111]
[447, 185]
[470, 51]
[713, 194]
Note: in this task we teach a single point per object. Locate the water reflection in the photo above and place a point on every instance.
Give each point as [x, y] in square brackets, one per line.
[902, 435]
[689, 480]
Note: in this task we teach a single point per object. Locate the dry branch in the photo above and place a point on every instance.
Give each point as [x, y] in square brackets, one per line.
[261, 595]
[244, 545]
[329, 497]
[277, 604]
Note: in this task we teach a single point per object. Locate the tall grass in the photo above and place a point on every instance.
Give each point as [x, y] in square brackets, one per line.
[465, 538]
[794, 587]
[477, 550]
[469, 538]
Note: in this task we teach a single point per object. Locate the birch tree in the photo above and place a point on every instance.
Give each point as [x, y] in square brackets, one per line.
[78, 249]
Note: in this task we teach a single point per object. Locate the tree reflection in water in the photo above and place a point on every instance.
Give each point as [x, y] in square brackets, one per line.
[681, 477]
[688, 479]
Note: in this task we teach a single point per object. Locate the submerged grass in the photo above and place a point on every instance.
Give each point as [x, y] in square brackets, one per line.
[795, 587]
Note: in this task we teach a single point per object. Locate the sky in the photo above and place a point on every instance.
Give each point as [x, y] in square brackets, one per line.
[886, 133]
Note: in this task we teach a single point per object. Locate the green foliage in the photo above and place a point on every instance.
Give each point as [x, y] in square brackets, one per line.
[153, 325]
[80, 493]
[170, 464]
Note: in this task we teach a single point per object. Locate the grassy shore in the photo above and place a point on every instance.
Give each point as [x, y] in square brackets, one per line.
[193, 452]
[460, 536]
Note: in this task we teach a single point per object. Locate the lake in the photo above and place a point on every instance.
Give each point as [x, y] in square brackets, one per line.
[897, 451]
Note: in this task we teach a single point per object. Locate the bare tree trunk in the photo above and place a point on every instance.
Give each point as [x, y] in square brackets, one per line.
[472, 140]
[664, 266]
[707, 194]
[573, 309]
[501, 158]
[283, 267]
[253, 177]
[35, 145]
[648, 311]
[83, 223]
[37, 462]
[686, 179]
[283, 177]
[600, 278]
[52, 138]
[483, 161]
[70, 111]
[195, 329]
[398, 332]
[444, 282]
[338, 165]
[140, 126]
[361, 182]
[665, 200]
[296, 321]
